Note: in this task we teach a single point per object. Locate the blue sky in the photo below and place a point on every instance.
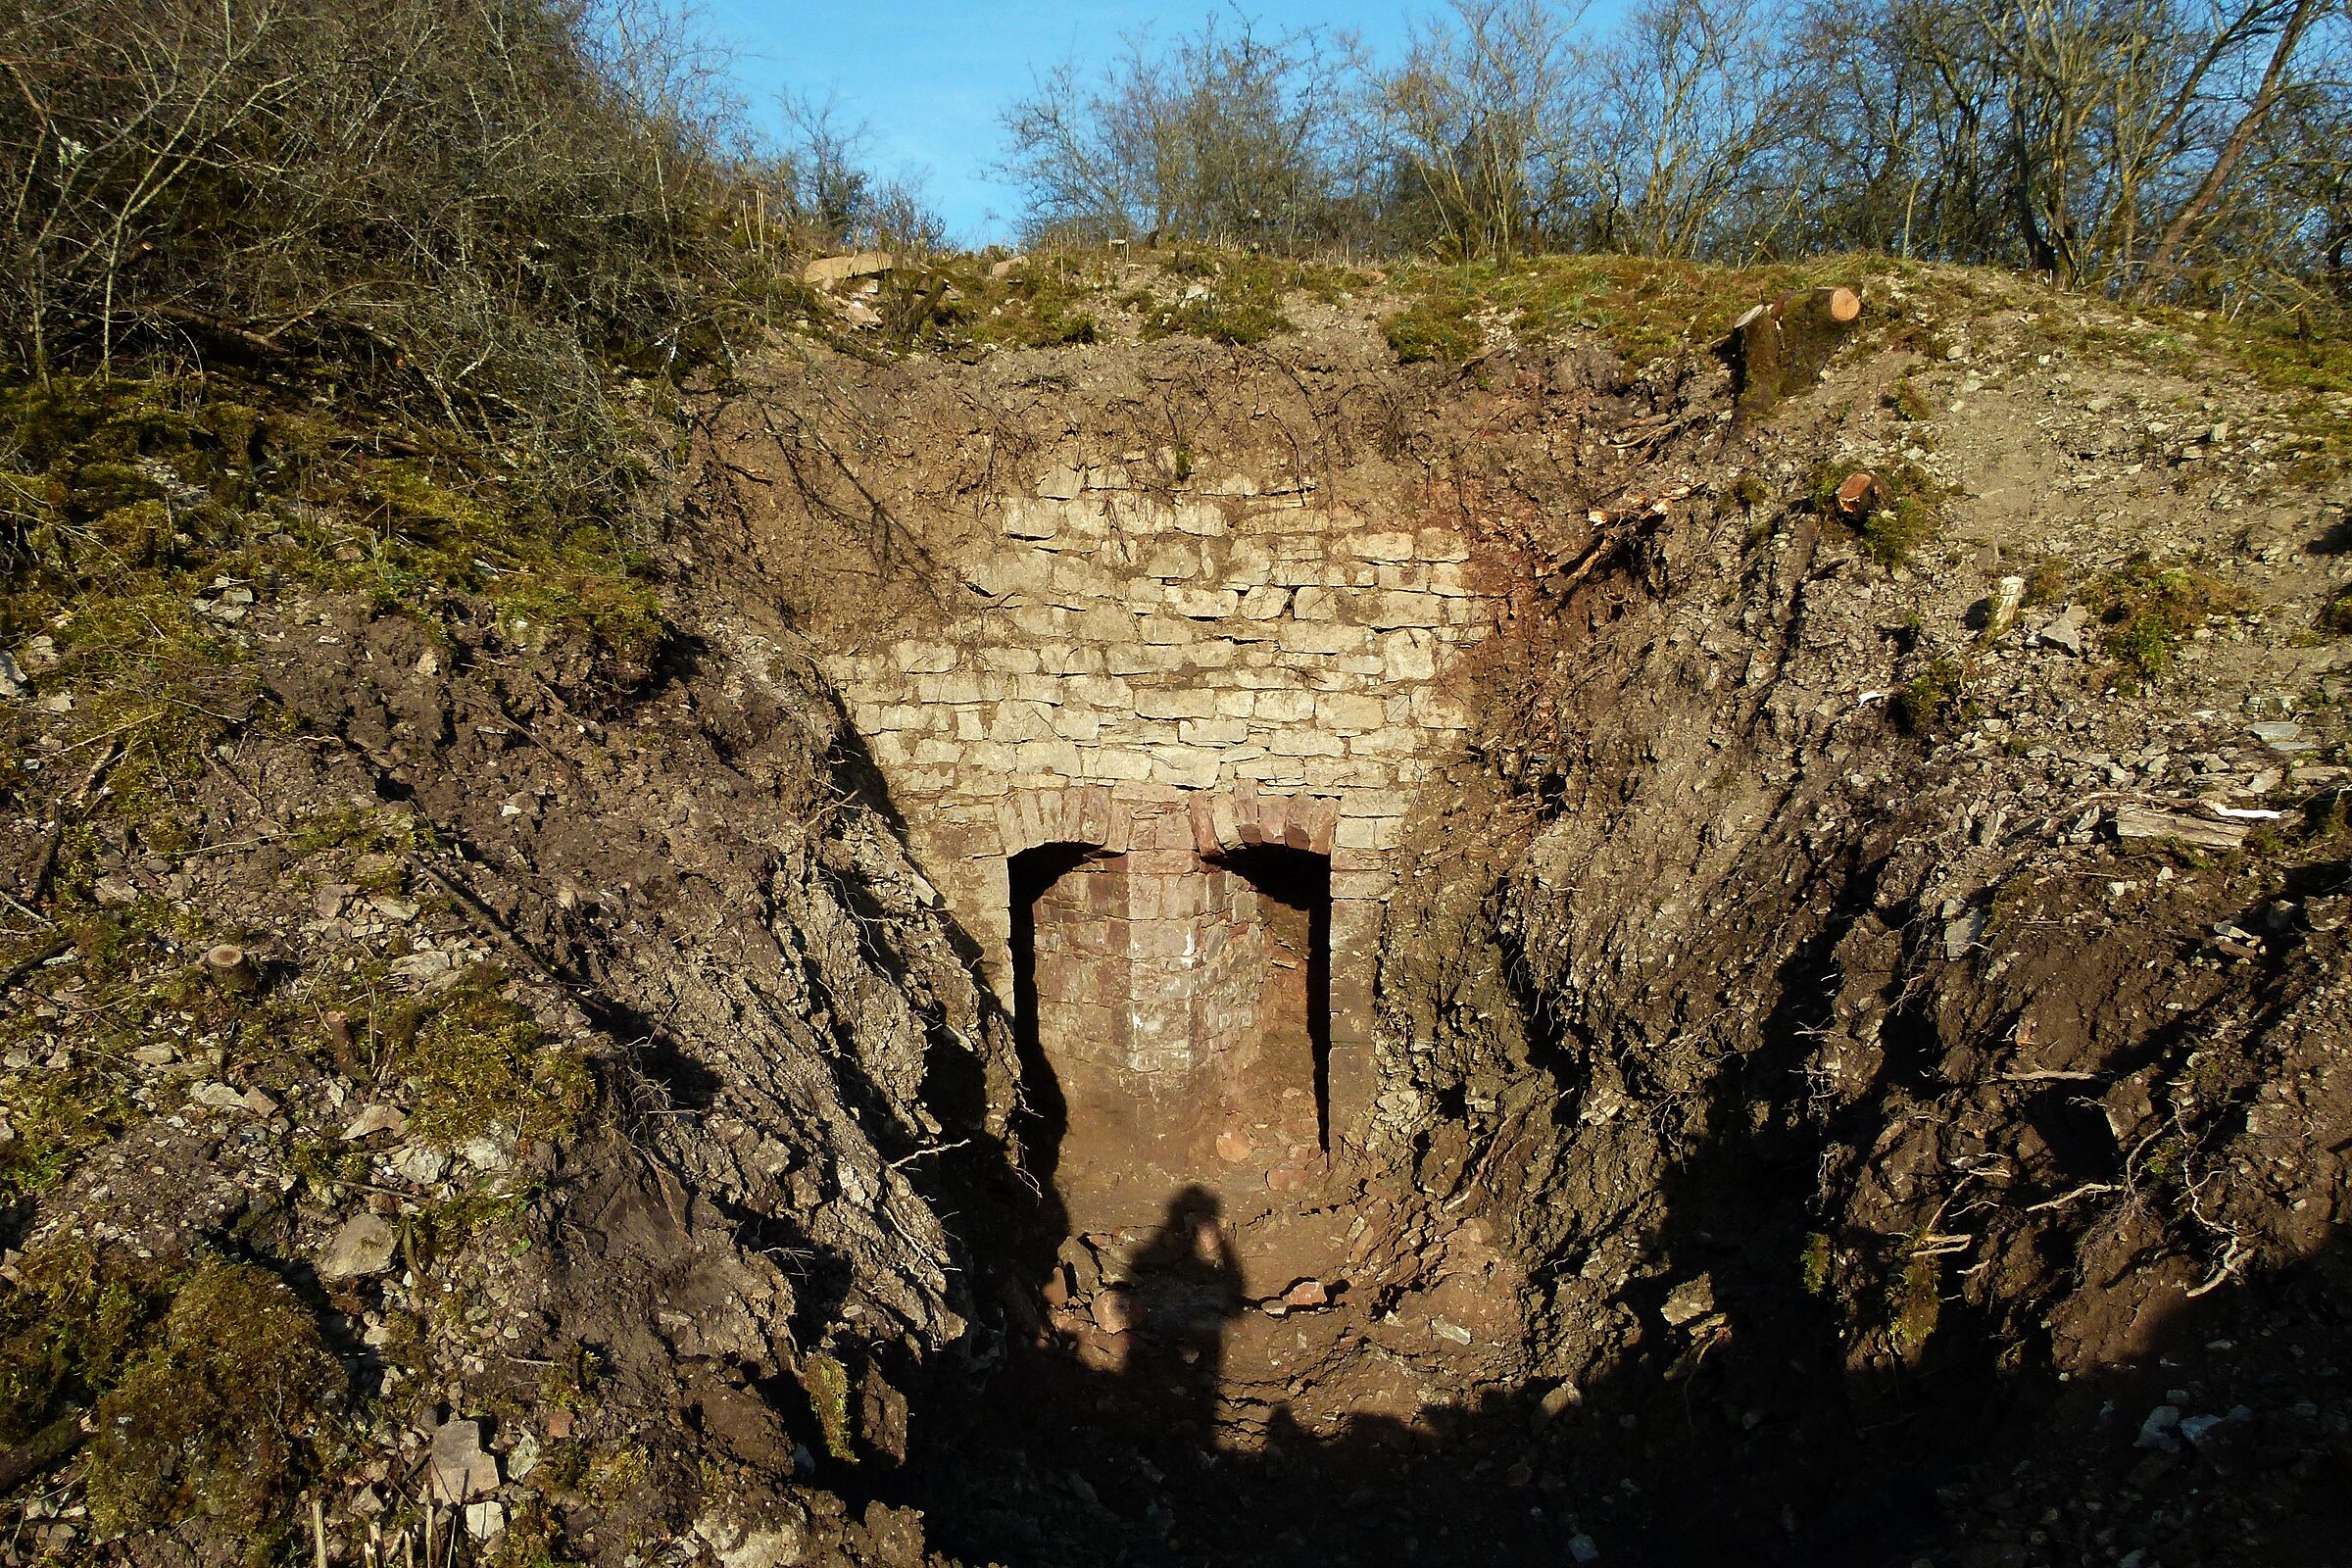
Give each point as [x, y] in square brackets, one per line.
[929, 76]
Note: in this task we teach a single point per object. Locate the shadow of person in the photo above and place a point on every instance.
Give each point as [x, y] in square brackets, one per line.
[1188, 1284]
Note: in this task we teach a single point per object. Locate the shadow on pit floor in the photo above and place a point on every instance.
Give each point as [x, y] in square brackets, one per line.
[1766, 1453]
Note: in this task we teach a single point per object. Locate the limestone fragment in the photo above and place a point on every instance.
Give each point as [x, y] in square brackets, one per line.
[363, 1246]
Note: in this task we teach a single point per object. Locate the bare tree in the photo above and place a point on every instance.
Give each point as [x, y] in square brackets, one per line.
[1224, 134]
[1481, 119]
[1696, 98]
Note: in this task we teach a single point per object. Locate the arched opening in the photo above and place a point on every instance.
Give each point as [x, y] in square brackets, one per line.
[1034, 874]
[1288, 899]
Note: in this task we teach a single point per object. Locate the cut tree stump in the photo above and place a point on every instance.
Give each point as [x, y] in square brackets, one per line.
[1776, 350]
[1859, 494]
[232, 971]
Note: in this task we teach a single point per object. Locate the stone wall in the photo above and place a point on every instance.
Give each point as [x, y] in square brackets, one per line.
[1178, 675]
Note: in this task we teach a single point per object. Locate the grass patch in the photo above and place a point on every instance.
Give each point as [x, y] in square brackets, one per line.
[1929, 700]
[147, 520]
[827, 1384]
[1230, 297]
[2336, 615]
[130, 981]
[66, 1330]
[1914, 1303]
[1911, 403]
[1814, 1265]
[1900, 520]
[2146, 607]
[1646, 310]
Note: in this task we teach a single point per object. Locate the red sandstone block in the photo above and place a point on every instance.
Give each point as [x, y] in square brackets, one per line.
[1179, 861]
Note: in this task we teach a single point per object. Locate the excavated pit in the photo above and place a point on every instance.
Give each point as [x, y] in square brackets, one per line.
[1530, 734]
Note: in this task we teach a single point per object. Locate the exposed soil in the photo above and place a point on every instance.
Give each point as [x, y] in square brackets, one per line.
[1820, 1119]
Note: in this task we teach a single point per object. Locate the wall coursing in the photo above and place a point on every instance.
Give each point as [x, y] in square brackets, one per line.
[1189, 672]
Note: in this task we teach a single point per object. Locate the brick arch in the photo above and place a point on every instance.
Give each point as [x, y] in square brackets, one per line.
[1213, 821]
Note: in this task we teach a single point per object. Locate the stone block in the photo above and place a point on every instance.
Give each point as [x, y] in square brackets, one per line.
[1249, 564]
[1440, 544]
[1203, 520]
[1171, 560]
[1070, 659]
[1204, 654]
[1388, 741]
[1386, 545]
[1314, 603]
[1347, 715]
[1369, 833]
[1184, 766]
[1163, 838]
[1392, 608]
[1054, 757]
[1412, 575]
[1044, 622]
[1451, 580]
[1032, 520]
[1366, 885]
[1306, 637]
[964, 686]
[1212, 731]
[1235, 703]
[1301, 740]
[1116, 764]
[1408, 655]
[1264, 602]
[1314, 824]
[1203, 603]
[1167, 631]
[1103, 623]
[1436, 711]
[1077, 724]
[1016, 721]
[914, 657]
[1202, 814]
[1284, 706]
[1174, 702]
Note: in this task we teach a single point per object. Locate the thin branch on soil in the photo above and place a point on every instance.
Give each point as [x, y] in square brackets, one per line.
[2086, 1189]
[31, 961]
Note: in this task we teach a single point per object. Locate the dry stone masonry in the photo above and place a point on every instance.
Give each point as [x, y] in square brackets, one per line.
[1215, 697]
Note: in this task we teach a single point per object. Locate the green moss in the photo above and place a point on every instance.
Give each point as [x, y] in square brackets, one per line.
[1813, 1264]
[2046, 580]
[1916, 1304]
[132, 967]
[826, 1382]
[1905, 520]
[2147, 608]
[2336, 615]
[66, 1331]
[353, 827]
[1230, 297]
[224, 1414]
[480, 1062]
[1911, 403]
[1929, 701]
